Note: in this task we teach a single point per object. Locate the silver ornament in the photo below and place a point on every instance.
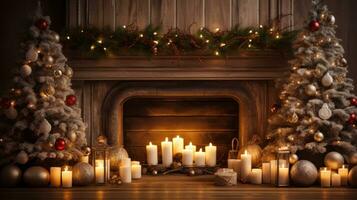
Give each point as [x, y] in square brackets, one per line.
[57, 73]
[294, 118]
[303, 173]
[22, 158]
[56, 37]
[352, 177]
[48, 60]
[36, 177]
[293, 158]
[86, 151]
[310, 90]
[10, 176]
[83, 174]
[327, 80]
[334, 160]
[325, 112]
[25, 70]
[116, 154]
[331, 19]
[32, 55]
[319, 137]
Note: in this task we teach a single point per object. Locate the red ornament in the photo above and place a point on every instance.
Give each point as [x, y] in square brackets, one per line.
[5, 103]
[60, 144]
[71, 100]
[353, 119]
[353, 102]
[42, 24]
[314, 25]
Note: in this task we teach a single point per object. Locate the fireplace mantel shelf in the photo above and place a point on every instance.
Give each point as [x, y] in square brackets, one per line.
[254, 65]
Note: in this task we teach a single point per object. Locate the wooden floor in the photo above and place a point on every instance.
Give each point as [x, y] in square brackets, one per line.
[178, 187]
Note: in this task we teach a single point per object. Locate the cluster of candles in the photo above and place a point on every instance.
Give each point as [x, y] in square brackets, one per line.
[190, 156]
[129, 170]
[330, 178]
[61, 176]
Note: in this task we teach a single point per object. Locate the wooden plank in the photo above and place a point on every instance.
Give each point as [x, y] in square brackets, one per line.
[163, 13]
[301, 13]
[274, 10]
[218, 14]
[95, 13]
[132, 12]
[264, 12]
[72, 13]
[109, 14]
[246, 13]
[286, 14]
[190, 15]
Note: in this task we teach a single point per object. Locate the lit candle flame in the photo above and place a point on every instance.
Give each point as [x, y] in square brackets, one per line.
[245, 152]
[190, 144]
[150, 144]
[166, 139]
[210, 144]
[200, 149]
[65, 168]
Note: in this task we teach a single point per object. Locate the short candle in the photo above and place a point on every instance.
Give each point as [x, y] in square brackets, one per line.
[211, 153]
[151, 154]
[200, 158]
[325, 177]
[192, 147]
[66, 177]
[343, 172]
[335, 180]
[256, 176]
[187, 157]
[246, 165]
[177, 145]
[55, 174]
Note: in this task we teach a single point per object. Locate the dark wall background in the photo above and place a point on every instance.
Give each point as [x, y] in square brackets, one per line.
[15, 15]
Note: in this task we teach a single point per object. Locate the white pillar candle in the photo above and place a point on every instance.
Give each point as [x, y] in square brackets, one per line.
[246, 165]
[66, 178]
[55, 176]
[256, 176]
[343, 172]
[235, 165]
[211, 152]
[283, 175]
[273, 171]
[125, 162]
[335, 180]
[266, 172]
[325, 177]
[85, 159]
[177, 145]
[125, 174]
[187, 157]
[200, 158]
[135, 170]
[151, 154]
[166, 149]
[192, 147]
[99, 171]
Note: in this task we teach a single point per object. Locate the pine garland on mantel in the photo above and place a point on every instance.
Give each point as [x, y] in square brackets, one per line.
[130, 41]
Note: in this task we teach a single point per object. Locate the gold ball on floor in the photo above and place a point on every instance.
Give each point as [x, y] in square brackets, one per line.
[334, 160]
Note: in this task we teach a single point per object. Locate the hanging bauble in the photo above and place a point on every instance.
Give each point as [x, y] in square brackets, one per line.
[86, 151]
[319, 137]
[47, 90]
[327, 80]
[11, 113]
[353, 119]
[25, 70]
[352, 158]
[60, 144]
[275, 107]
[5, 103]
[116, 155]
[314, 25]
[36, 177]
[325, 112]
[68, 71]
[303, 173]
[57, 73]
[71, 100]
[333, 160]
[72, 136]
[331, 19]
[293, 119]
[44, 127]
[293, 158]
[344, 62]
[83, 174]
[255, 151]
[352, 177]
[10, 176]
[22, 158]
[291, 138]
[310, 90]
[56, 37]
[308, 73]
[48, 60]
[353, 101]
[42, 24]
[31, 55]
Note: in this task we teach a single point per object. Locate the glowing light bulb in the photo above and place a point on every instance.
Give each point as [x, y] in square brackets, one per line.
[155, 33]
[68, 37]
[207, 41]
[100, 41]
[104, 48]
[277, 36]
[222, 45]
[216, 53]
[92, 47]
[217, 29]
[156, 42]
[201, 36]
[260, 26]
[124, 26]
[141, 35]
[82, 31]
[249, 45]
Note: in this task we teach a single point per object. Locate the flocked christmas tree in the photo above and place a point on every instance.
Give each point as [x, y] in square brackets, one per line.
[318, 111]
[39, 117]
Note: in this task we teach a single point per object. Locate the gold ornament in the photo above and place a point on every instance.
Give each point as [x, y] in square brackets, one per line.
[293, 158]
[294, 118]
[36, 177]
[344, 62]
[57, 73]
[308, 73]
[353, 158]
[291, 138]
[310, 90]
[68, 71]
[46, 91]
[334, 160]
[48, 61]
[319, 137]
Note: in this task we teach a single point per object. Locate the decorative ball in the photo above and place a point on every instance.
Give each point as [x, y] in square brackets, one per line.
[60, 144]
[314, 25]
[325, 112]
[352, 177]
[331, 19]
[293, 158]
[10, 176]
[5, 103]
[83, 174]
[352, 119]
[71, 100]
[48, 60]
[68, 71]
[334, 160]
[42, 24]
[22, 157]
[294, 118]
[56, 37]
[327, 80]
[255, 151]
[57, 73]
[86, 151]
[352, 158]
[353, 101]
[36, 177]
[116, 155]
[11, 113]
[310, 90]
[47, 90]
[31, 55]
[344, 62]
[303, 173]
[72, 136]
[25, 70]
[291, 138]
[319, 137]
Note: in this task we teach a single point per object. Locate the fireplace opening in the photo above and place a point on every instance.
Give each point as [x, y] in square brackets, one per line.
[197, 120]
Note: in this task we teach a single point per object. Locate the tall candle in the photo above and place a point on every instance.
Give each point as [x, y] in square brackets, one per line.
[166, 148]
[99, 171]
[211, 152]
[325, 177]
[273, 171]
[177, 145]
[256, 176]
[135, 170]
[283, 175]
[151, 154]
[187, 157]
[343, 172]
[192, 147]
[66, 178]
[266, 172]
[335, 180]
[200, 158]
[235, 165]
[55, 176]
[246, 165]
